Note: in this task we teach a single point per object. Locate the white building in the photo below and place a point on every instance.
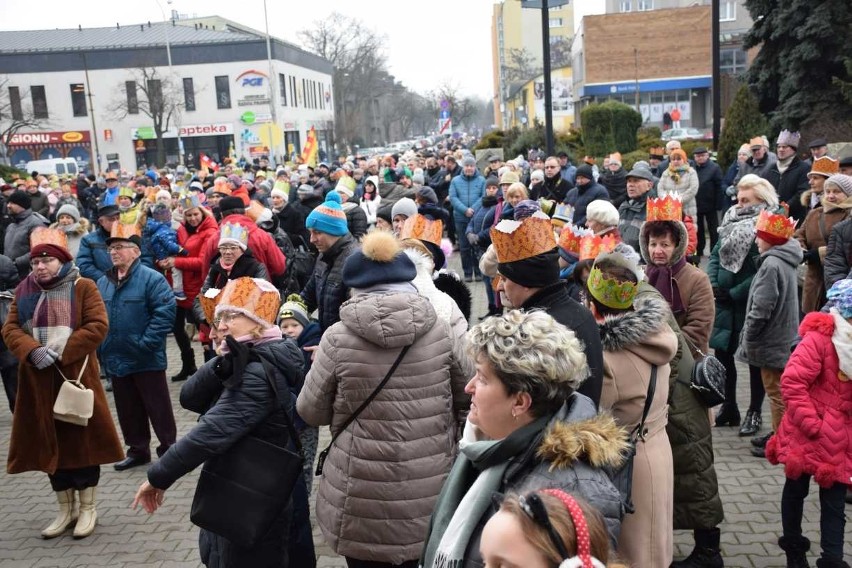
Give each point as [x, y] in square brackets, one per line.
[88, 87]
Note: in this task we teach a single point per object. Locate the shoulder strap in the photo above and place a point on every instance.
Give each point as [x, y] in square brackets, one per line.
[269, 374]
[323, 454]
[639, 432]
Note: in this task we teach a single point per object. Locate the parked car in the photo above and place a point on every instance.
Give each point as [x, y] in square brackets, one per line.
[686, 134]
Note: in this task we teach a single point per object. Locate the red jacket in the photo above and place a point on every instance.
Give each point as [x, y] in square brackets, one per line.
[192, 263]
[815, 436]
[261, 244]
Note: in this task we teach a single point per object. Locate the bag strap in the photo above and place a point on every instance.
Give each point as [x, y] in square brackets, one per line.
[79, 380]
[269, 374]
[691, 344]
[639, 431]
[323, 454]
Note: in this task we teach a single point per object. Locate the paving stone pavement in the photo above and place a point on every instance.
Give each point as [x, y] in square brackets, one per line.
[750, 487]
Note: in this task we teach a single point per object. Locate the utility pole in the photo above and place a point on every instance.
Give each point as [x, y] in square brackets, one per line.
[92, 115]
[548, 93]
[636, 72]
[717, 75]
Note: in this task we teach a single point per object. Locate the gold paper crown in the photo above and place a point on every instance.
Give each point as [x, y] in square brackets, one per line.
[45, 236]
[610, 292]
[825, 166]
[517, 240]
[254, 210]
[668, 208]
[593, 245]
[234, 231]
[657, 151]
[124, 231]
[570, 237]
[256, 299]
[209, 300]
[422, 228]
[126, 192]
[779, 226]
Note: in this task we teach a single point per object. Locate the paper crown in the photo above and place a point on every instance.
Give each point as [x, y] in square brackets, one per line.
[593, 245]
[209, 300]
[610, 292]
[422, 228]
[126, 192]
[825, 166]
[255, 298]
[756, 141]
[234, 232]
[779, 226]
[571, 236]
[657, 152]
[188, 202]
[45, 236]
[667, 208]
[221, 185]
[254, 210]
[517, 240]
[788, 138]
[125, 231]
[563, 214]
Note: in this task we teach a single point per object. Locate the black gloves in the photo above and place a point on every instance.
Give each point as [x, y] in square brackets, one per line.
[722, 296]
[811, 256]
[230, 367]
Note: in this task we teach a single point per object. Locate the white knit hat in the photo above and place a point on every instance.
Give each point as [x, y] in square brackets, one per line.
[603, 212]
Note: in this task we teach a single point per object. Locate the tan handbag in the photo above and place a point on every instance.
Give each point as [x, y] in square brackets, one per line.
[75, 403]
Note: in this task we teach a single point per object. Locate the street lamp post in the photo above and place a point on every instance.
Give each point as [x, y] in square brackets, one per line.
[172, 76]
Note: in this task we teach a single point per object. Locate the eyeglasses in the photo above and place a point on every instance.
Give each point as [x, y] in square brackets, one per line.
[228, 248]
[115, 248]
[534, 508]
[228, 317]
[44, 260]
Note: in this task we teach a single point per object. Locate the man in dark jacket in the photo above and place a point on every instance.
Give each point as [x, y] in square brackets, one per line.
[92, 257]
[16, 241]
[709, 188]
[325, 290]
[789, 174]
[760, 161]
[441, 185]
[555, 187]
[614, 179]
[838, 253]
[586, 191]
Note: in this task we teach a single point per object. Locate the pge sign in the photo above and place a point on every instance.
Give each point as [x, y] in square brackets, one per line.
[251, 78]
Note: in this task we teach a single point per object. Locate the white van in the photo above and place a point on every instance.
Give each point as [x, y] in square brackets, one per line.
[57, 166]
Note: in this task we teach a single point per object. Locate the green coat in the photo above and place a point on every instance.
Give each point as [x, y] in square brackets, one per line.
[730, 316]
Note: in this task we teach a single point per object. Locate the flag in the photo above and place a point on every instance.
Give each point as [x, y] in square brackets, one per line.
[207, 162]
[309, 154]
[232, 153]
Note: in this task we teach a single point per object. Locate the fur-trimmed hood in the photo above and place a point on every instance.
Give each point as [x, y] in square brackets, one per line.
[630, 330]
[680, 249]
[599, 441]
[817, 322]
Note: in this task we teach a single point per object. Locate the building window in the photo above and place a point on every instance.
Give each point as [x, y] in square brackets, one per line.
[282, 88]
[223, 92]
[293, 98]
[188, 93]
[39, 101]
[732, 61]
[155, 97]
[15, 103]
[78, 99]
[132, 98]
[626, 6]
[555, 22]
[728, 10]
[645, 5]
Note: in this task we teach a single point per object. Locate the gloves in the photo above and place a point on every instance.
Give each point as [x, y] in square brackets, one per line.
[43, 357]
[811, 256]
[722, 296]
[230, 367]
[731, 191]
[473, 239]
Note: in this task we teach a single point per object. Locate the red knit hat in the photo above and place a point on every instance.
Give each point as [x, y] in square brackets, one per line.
[56, 251]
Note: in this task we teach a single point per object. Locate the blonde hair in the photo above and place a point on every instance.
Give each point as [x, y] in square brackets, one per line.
[531, 352]
[763, 190]
[516, 187]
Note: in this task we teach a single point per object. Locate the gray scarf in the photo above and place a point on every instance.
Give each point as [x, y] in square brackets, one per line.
[736, 235]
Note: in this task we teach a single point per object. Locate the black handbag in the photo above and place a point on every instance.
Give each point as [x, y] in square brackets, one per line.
[622, 477]
[324, 454]
[241, 492]
[708, 377]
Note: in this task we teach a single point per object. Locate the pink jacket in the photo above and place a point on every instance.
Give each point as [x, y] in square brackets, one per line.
[814, 436]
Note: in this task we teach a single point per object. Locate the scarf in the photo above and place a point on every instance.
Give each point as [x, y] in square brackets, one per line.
[782, 165]
[662, 278]
[461, 506]
[828, 206]
[48, 311]
[842, 340]
[677, 172]
[269, 334]
[736, 235]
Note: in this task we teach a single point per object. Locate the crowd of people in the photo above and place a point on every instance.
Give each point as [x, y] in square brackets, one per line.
[559, 428]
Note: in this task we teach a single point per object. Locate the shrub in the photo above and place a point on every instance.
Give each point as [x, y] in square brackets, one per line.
[610, 126]
[743, 121]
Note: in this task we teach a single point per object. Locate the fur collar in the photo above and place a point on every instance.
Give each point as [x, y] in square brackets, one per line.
[630, 328]
[599, 441]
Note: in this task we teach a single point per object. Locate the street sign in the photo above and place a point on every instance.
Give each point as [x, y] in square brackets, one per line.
[445, 104]
[445, 114]
[445, 126]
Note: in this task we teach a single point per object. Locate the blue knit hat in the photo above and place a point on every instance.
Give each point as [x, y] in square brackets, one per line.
[328, 217]
[380, 260]
[840, 297]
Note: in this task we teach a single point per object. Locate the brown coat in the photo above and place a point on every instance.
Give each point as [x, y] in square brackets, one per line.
[813, 235]
[634, 341]
[40, 443]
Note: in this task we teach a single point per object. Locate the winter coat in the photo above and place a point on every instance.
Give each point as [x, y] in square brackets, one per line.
[581, 195]
[74, 233]
[813, 438]
[633, 341]
[481, 222]
[760, 169]
[259, 241]
[40, 204]
[631, 217]
[16, 241]
[568, 454]
[616, 185]
[92, 257]
[443, 304]
[371, 206]
[325, 290]
[405, 438]
[730, 315]
[193, 240]
[838, 253]
[772, 312]
[555, 188]
[686, 187]
[790, 185]
[38, 442]
[709, 187]
[217, 277]
[162, 239]
[393, 192]
[356, 219]
[466, 192]
[813, 235]
[141, 313]
[555, 301]
[292, 220]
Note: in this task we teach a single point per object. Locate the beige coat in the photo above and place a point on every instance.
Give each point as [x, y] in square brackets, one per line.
[385, 471]
[633, 342]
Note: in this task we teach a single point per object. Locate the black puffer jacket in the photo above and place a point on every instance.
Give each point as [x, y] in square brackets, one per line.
[709, 186]
[791, 185]
[325, 290]
[838, 253]
[616, 185]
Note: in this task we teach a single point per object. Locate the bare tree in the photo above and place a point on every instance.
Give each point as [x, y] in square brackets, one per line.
[15, 115]
[156, 96]
[520, 65]
[461, 108]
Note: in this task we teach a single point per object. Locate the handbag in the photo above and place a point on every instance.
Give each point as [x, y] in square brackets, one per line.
[622, 477]
[241, 492]
[708, 377]
[324, 454]
[75, 403]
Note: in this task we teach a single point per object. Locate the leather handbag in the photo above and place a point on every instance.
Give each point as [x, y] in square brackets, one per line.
[75, 403]
[241, 492]
[708, 377]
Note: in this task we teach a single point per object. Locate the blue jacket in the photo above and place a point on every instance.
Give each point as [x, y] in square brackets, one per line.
[466, 192]
[93, 259]
[569, 173]
[141, 311]
[481, 222]
[162, 239]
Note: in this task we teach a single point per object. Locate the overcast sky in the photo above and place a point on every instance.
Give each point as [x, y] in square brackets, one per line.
[428, 41]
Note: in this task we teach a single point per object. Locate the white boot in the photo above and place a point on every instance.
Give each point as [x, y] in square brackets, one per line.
[66, 517]
[88, 516]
